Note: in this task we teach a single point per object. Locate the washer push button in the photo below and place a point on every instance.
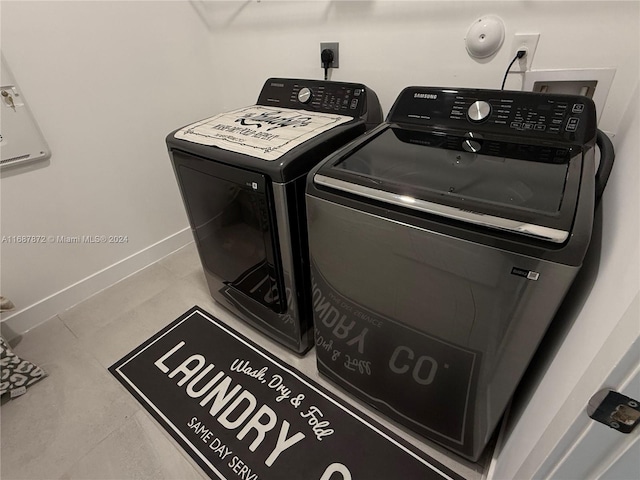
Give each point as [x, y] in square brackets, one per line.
[572, 124]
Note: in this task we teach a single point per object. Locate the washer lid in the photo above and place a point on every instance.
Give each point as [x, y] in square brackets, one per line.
[525, 189]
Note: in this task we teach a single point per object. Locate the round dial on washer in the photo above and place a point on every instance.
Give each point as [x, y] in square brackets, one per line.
[304, 95]
[479, 111]
[471, 146]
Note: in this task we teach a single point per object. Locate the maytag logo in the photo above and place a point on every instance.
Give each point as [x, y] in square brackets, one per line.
[427, 96]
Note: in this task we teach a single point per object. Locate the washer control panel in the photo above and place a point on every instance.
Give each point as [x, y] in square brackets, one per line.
[314, 95]
[545, 116]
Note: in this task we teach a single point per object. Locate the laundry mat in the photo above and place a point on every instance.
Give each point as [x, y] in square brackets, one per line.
[241, 413]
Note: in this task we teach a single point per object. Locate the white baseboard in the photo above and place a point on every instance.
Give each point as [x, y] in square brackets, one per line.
[24, 320]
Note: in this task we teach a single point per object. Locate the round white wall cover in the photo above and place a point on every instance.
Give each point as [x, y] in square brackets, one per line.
[485, 36]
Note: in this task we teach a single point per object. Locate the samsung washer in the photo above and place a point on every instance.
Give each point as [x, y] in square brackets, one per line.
[442, 243]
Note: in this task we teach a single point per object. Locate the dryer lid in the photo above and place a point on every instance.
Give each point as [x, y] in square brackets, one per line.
[525, 189]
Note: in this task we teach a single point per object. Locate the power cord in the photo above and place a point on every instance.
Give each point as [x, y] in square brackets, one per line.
[520, 54]
[326, 56]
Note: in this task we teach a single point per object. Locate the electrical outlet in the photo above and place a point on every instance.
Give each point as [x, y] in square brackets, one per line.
[333, 46]
[524, 41]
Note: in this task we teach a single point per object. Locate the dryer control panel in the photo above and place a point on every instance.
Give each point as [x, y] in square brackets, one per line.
[536, 115]
[339, 98]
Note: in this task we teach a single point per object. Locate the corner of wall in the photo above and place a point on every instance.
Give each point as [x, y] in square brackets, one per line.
[17, 323]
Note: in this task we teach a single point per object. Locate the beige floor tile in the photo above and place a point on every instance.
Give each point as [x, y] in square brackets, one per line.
[62, 417]
[118, 337]
[92, 314]
[199, 282]
[183, 262]
[137, 449]
[46, 339]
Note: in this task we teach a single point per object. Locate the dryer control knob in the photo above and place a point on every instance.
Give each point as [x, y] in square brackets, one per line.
[479, 111]
[304, 95]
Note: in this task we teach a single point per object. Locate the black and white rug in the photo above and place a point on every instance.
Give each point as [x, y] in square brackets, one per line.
[241, 413]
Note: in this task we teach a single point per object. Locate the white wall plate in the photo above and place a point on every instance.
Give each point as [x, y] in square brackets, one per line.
[602, 76]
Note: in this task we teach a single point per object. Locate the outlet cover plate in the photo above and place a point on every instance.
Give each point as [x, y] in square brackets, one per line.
[528, 41]
[336, 53]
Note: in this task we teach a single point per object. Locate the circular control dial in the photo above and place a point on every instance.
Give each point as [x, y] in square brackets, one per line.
[479, 111]
[471, 146]
[304, 95]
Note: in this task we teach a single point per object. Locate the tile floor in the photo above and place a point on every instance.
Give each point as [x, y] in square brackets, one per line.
[80, 423]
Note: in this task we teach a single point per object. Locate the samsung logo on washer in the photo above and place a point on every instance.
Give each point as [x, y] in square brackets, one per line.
[528, 274]
[426, 96]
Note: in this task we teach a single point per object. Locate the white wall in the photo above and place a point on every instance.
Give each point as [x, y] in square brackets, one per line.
[106, 81]
[389, 45]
